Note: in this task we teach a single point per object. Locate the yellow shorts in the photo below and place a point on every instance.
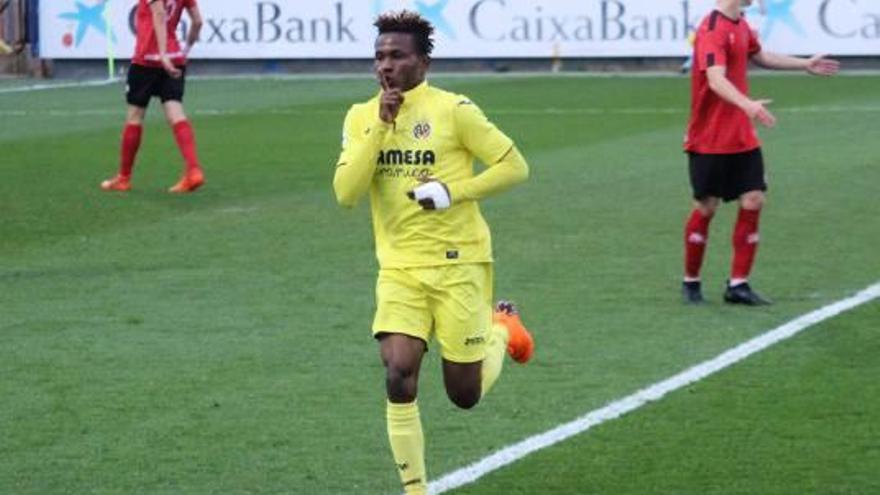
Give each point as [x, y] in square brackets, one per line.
[452, 303]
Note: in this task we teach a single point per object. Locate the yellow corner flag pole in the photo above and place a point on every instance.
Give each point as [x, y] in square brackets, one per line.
[111, 57]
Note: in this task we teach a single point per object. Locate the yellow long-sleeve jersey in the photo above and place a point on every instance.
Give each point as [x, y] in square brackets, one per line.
[436, 134]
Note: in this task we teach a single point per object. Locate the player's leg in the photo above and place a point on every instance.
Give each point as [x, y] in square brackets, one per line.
[749, 189]
[472, 341]
[467, 383]
[461, 302]
[140, 87]
[703, 177]
[402, 357]
[745, 236]
[172, 102]
[402, 326]
[463, 382]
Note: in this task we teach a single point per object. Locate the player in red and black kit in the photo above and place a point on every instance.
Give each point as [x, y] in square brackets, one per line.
[158, 68]
[722, 145]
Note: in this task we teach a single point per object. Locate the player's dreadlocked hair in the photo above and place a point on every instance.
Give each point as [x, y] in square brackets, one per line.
[406, 21]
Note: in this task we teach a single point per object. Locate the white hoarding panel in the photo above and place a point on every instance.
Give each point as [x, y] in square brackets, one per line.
[285, 29]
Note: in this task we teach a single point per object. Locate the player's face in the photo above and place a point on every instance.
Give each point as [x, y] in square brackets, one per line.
[398, 62]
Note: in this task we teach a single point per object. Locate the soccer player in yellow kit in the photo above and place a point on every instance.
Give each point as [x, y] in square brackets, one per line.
[412, 147]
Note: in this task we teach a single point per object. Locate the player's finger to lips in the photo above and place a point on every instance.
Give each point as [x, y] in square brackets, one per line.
[389, 86]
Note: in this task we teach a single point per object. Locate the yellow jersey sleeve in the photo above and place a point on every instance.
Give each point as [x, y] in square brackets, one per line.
[506, 165]
[362, 138]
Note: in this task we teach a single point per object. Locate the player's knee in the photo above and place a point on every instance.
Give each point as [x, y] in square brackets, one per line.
[753, 200]
[174, 119]
[465, 398]
[135, 115]
[707, 207]
[400, 382]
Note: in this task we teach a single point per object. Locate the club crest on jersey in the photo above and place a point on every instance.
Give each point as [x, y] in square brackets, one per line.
[422, 130]
[732, 39]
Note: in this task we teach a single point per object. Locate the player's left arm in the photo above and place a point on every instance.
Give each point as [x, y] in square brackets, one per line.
[506, 166]
[510, 170]
[819, 65]
[195, 30]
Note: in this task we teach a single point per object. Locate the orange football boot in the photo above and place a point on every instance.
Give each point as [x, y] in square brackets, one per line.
[520, 345]
[189, 183]
[117, 183]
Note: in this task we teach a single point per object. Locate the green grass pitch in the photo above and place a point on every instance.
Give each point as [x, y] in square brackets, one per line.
[219, 343]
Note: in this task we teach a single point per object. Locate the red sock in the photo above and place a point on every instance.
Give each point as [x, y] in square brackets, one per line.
[131, 142]
[696, 235]
[745, 243]
[186, 142]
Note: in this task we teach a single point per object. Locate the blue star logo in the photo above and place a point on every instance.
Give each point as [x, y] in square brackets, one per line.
[88, 17]
[430, 11]
[434, 13]
[780, 11]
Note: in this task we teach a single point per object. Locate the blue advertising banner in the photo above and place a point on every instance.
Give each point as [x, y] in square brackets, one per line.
[300, 29]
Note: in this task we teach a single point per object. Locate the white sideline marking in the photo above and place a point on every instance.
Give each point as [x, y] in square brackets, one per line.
[46, 86]
[513, 453]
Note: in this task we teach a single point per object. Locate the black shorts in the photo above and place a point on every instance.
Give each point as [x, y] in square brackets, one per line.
[147, 82]
[726, 176]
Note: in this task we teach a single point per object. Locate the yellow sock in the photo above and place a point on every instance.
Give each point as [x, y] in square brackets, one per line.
[494, 360]
[407, 445]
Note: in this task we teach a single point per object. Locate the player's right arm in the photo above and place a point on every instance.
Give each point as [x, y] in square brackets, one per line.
[362, 137]
[721, 85]
[712, 49]
[160, 30]
[195, 30]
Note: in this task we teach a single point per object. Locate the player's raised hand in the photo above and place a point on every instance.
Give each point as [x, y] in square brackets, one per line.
[757, 110]
[390, 101]
[169, 67]
[431, 194]
[821, 65]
